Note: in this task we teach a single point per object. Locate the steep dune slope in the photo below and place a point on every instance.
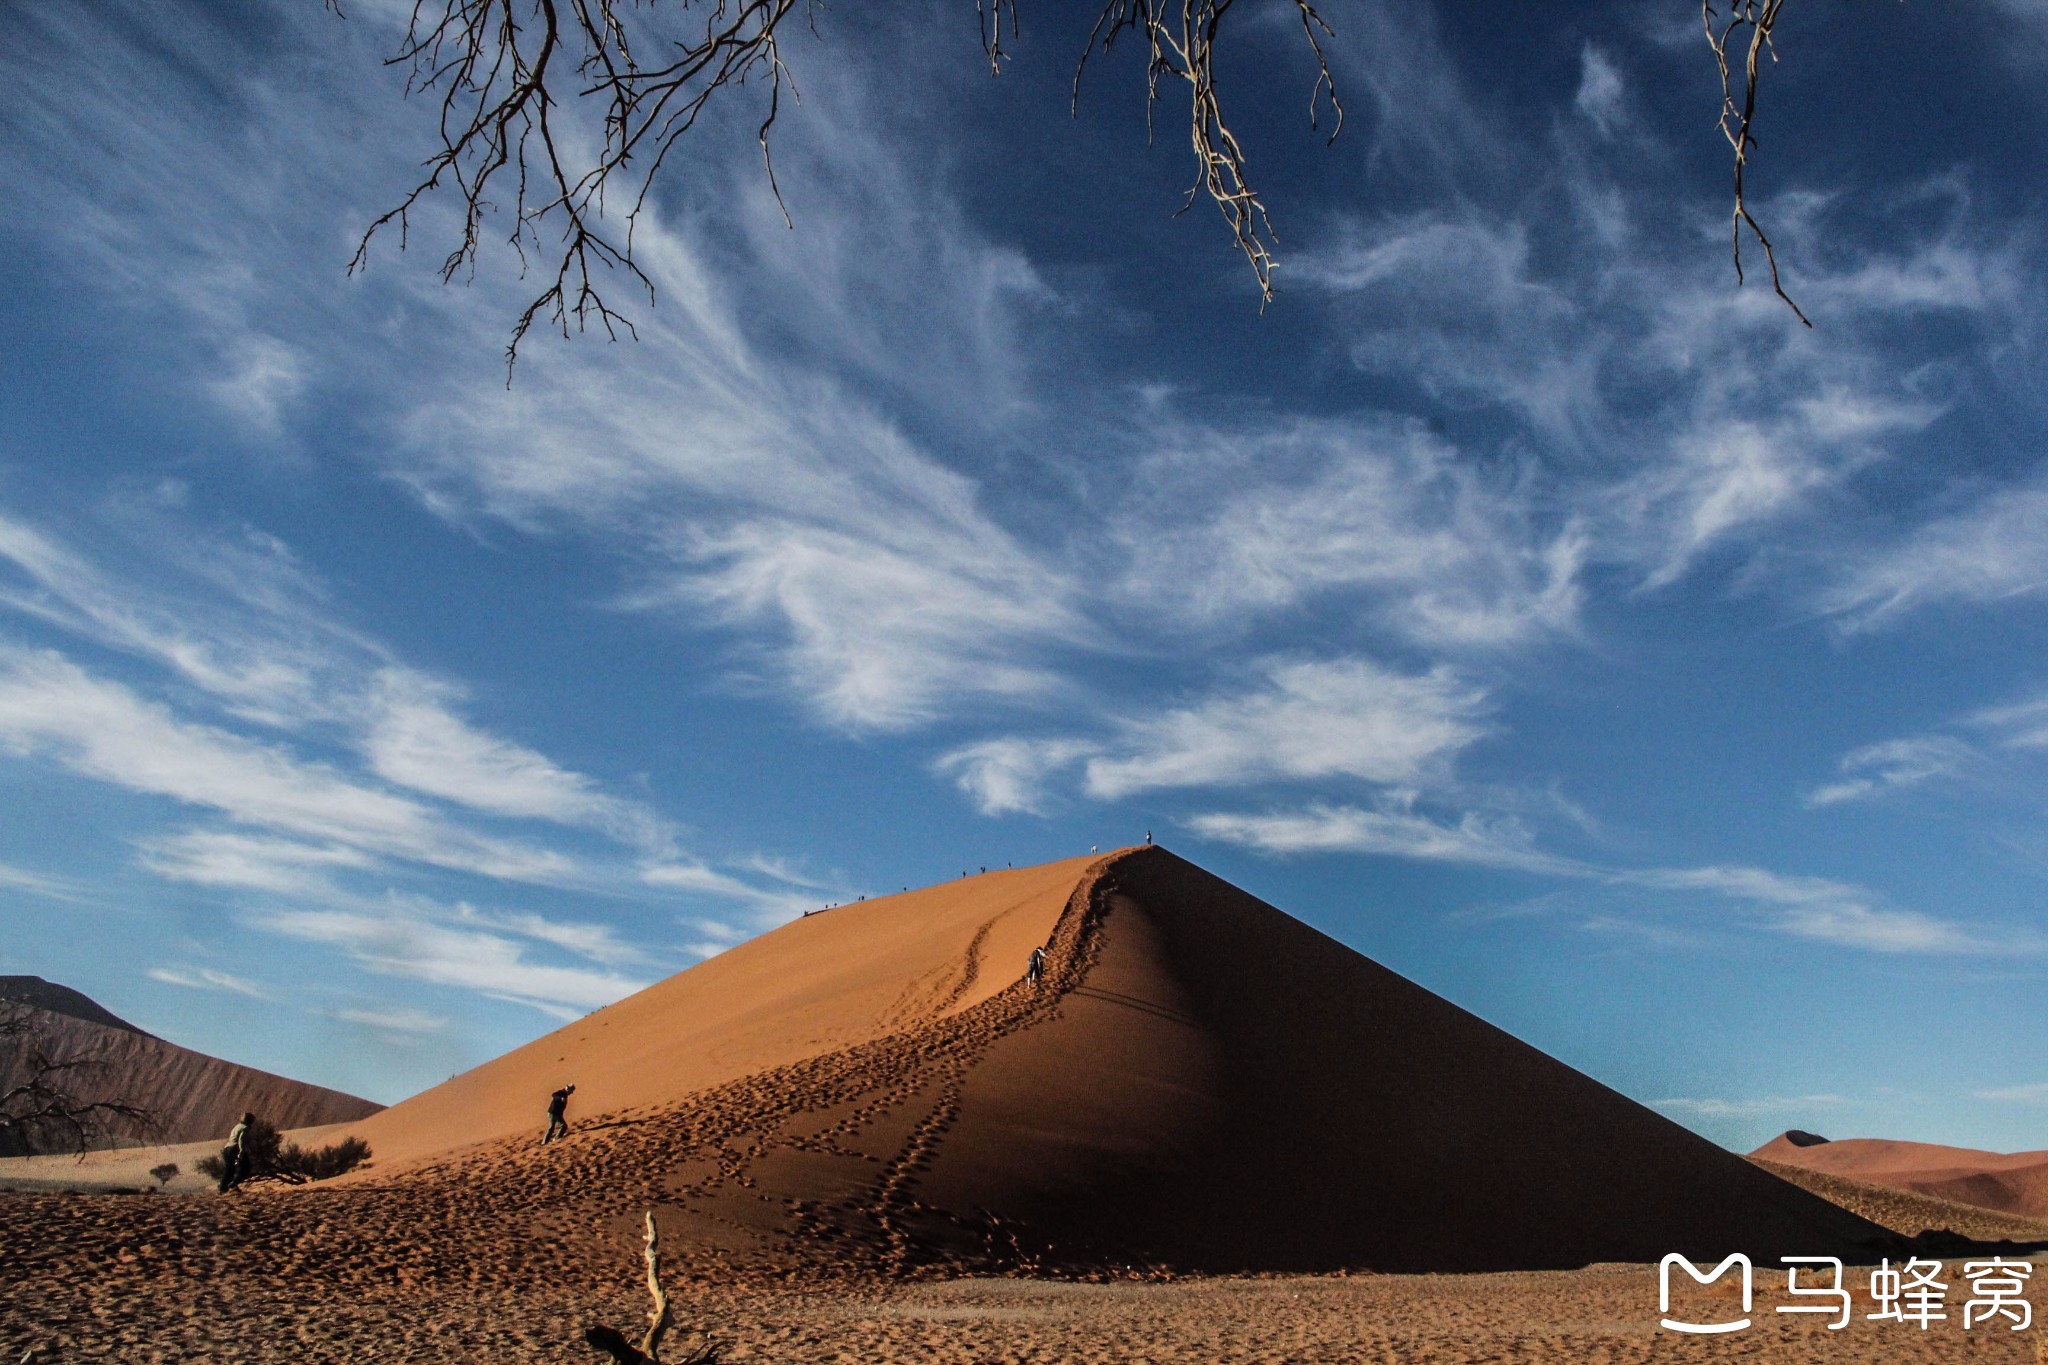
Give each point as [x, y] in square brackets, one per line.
[196, 1097]
[2010, 1182]
[1201, 1082]
[825, 982]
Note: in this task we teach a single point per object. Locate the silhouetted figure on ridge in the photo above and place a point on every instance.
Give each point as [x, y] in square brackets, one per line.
[558, 1103]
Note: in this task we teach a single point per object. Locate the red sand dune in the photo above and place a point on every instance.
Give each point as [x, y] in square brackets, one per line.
[1202, 1082]
[195, 1096]
[2015, 1182]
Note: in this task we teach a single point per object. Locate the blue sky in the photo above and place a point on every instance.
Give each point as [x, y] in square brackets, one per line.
[1516, 599]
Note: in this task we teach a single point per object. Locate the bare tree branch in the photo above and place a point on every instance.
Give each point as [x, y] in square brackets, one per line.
[49, 1103]
[506, 69]
[1758, 16]
[1181, 36]
[505, 72]
[614, 1343]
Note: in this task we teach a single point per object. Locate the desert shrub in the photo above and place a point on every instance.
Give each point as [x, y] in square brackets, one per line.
[324, 1163]
[270, 1157]
[166, 1173]
[259, 1154]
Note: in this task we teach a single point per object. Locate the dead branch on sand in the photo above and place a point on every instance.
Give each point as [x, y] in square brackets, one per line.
[48, 1095]
[613, 1342]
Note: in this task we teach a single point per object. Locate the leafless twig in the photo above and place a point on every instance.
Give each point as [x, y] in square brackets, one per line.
[49, 1101]
[1181, 36]
[505, 70]
[1758, 16]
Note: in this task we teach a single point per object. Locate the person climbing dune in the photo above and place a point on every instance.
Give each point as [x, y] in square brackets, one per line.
[558, 1103]
[1034, 968]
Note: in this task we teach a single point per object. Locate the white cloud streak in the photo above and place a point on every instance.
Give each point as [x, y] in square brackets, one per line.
[102, 730]
[1227, 524]
[1815, 908]
[1893, 765]
[399, 1019]
[415, 739]
[1308, 720]
[2016, 1094]
[1395, 831]
[1992, 551]
[403, 944]
[1010, 776]
[1602, 96]
[37, 883]
[1305, 720]
[208, 979]
[1759, 1107]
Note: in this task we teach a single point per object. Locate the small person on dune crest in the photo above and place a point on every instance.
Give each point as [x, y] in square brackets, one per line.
[1034, 968]
[557, 1125]
[234, 1166]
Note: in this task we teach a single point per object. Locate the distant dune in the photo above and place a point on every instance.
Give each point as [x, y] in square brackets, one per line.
[1909, 1213]
[2013, 1183]
[1202, 1082]
[196, 1097]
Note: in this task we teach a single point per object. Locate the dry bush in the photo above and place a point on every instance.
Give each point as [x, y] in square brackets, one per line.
[267, 1156]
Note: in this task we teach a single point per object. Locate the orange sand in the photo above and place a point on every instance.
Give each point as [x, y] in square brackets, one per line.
[837, 1122]
[2014, 1183]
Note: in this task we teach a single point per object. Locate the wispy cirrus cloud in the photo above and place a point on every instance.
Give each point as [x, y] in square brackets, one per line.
[2016, 1094]
[235, 616]
[249, 862]
[415, 739]
[101, 729]
[1307, 719]
[1227, 525]
[1831, 911]
[37, 883]
[1667, 418]
[1303, 720]
[399, 1019]
[1758, 1107]
[1893, 765]
[1396, 829]
[210, 979]
[1994, 550]
[1011, 775]
[2015, 725]
[401, 941]
[1603, 95]
[1817, 908]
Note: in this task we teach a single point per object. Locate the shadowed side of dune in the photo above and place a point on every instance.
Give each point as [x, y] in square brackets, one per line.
[1228, 1088]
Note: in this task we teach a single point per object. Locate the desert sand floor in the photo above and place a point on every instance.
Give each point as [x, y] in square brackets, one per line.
[164, 1278]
